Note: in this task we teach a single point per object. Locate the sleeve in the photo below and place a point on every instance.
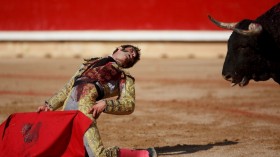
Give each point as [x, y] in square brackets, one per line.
[57, 100]
[125, 103]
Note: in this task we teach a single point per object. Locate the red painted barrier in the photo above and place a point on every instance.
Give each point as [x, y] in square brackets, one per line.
[124, 14]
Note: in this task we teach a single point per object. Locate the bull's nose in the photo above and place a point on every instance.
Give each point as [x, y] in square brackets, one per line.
[227, 77]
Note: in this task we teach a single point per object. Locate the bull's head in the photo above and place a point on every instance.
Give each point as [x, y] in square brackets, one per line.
[244, 60]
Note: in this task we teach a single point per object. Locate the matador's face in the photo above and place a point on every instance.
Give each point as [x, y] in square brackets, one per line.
[124, 55]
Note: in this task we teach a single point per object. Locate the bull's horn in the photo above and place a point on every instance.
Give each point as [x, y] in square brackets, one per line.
[224, 25]
[253, 29]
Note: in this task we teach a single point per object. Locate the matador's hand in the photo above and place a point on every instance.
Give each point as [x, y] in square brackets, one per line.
[44, 108]
[97, 109]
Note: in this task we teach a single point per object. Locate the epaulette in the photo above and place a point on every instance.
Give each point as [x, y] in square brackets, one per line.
[90, 60]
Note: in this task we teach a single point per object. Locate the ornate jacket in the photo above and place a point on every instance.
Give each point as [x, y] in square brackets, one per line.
[121, 86]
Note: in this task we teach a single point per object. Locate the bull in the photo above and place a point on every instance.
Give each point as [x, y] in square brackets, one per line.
[253, 48]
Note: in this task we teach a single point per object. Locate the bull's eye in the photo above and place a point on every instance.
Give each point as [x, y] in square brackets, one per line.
[242, 48]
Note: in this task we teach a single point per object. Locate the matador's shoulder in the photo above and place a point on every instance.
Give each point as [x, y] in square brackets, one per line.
[127, 74]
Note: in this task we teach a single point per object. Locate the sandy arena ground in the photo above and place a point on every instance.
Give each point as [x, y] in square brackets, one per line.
[183, 106]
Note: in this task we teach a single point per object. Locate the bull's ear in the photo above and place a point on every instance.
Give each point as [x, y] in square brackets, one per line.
[253, 29]
[230, 26]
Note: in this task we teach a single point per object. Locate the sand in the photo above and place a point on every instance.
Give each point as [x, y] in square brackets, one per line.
[183, 106]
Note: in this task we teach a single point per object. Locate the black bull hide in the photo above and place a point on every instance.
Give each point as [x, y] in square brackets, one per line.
[253, 49]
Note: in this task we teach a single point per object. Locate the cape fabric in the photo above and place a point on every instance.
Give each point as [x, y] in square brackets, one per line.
[44, 134]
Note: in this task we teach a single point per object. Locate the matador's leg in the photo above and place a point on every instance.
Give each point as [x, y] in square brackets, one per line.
[93, 142]
[92, 139]
[95, 146]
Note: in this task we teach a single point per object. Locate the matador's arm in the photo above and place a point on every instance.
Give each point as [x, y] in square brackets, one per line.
[125, 103]
[57, 100]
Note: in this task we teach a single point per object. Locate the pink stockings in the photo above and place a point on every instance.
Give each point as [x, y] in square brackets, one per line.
[133, 153]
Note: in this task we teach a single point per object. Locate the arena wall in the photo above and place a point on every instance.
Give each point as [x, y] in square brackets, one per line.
[66, 49]
[69, 28]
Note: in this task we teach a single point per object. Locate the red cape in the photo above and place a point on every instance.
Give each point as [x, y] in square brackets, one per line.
[52, 134]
